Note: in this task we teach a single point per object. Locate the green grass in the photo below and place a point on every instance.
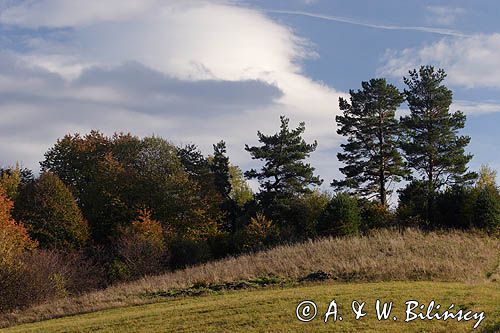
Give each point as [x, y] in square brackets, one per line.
[272, 309]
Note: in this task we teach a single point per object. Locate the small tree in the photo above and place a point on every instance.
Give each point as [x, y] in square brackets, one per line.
[241, 193]
[49, 211]
[14, 238]
[142, 245]
[284, 174]
[341, 217]
[487, 177]
[487, 209]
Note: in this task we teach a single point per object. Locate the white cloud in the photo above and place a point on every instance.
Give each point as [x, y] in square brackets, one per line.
[444, 15]
[190, 71]
[475, 108]
[471, 62]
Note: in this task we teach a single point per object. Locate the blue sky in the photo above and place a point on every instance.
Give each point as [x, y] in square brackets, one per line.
[201, 71]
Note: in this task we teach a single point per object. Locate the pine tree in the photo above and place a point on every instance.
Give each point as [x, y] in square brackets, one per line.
[371, 153]
[220, 168]
[432, 146]
[284, 174]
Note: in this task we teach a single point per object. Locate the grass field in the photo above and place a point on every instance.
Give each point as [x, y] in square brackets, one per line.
[273, 310]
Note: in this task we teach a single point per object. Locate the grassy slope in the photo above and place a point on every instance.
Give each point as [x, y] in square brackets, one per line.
[384, 255]
[273, 310]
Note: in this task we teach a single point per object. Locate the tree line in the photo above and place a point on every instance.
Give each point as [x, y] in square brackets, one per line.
[123, 206]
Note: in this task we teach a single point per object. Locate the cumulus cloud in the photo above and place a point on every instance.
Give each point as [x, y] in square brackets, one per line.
[471, 62]
[190, 71]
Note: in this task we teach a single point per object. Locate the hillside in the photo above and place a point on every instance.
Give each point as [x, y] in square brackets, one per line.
[273, 310]
[382, 256]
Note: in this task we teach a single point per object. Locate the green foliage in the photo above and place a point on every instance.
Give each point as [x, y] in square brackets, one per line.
[341, 216]
[113, 177]
[454, 207]
[220, 168]
[284, 174]
[431, 142]
[186, 252]
[10, 181]
[374, 215]
[241, 193]
[487, 177]
[49, 211]
[412, 209]
[371, 153]
[487, 209]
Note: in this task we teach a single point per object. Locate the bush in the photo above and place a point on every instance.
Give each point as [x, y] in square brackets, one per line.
[412, 208]
[374, 215]
[43, 275]
[259, 233]
[341, 216]
[142, 246]
[49, 211]
[14, 239]
[487, 209]
[187, 252]
[454, 208]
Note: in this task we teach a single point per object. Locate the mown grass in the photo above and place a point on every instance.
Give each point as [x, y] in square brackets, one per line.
[385, 255]
[273, 310]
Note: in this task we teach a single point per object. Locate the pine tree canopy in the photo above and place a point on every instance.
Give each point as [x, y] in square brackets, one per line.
[432, 146]
[371, 153]
[284, 172]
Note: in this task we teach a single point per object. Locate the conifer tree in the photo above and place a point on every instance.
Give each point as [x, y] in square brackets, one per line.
[284, 174]
[371, 153]
[432, 146]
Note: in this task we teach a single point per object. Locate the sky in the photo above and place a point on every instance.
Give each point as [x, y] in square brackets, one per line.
[203, 71]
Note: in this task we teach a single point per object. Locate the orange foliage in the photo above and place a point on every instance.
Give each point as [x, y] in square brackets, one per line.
[14, 238]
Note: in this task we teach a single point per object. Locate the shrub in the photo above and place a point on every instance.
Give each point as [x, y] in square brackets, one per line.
[14, 239]
[187, 252]
[341, 216]
[487, 209]
[259, 233]
[374, 215]
[43, 275]
[142, 246]
[49, 211]
[412, 208]
[454, 208]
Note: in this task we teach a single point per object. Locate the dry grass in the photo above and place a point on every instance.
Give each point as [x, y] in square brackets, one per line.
[382, 256]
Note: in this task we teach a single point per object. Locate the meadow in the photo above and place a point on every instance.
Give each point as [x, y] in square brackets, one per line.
[273, 310]
[463, 268]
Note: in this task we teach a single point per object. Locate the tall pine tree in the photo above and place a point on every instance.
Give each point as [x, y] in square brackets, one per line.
[432, 146]
[371, 153]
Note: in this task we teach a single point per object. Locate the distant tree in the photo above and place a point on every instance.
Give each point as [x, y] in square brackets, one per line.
[487, 209]
[371, 153]
[220, 168]
[241, 192]
[284, 173]
[101, 172]
[431, 144]
[487, 177]
[14, 238]
[12, 179]
[341, 216]
[141, 245]
[49, 211]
